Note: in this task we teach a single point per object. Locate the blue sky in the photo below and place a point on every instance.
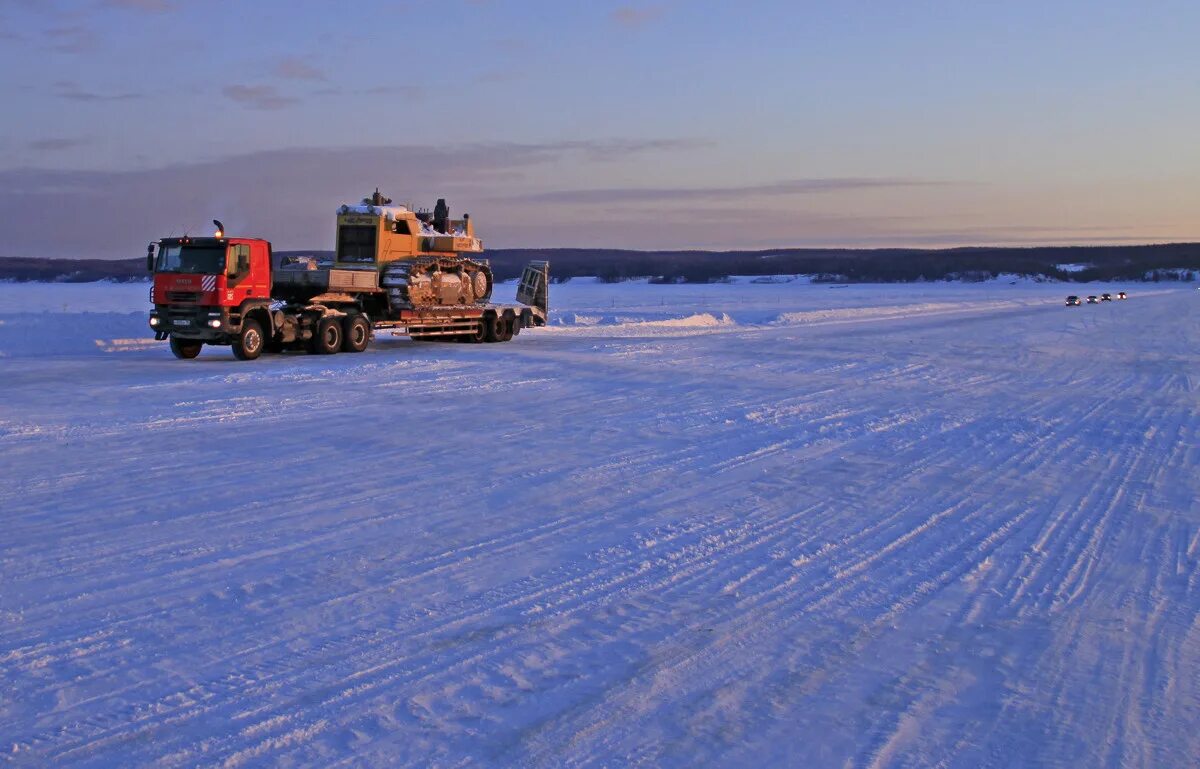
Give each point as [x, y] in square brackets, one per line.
[655, 125]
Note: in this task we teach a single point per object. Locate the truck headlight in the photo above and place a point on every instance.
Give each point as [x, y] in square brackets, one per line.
[154, 320]
[214, 323]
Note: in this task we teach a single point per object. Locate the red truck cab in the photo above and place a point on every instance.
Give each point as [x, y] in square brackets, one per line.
[204, 288]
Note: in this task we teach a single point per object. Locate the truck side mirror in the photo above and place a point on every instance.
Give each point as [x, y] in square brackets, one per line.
[150, 258]
[243, 263]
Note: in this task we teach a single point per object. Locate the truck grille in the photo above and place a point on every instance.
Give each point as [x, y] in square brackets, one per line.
[183, 296]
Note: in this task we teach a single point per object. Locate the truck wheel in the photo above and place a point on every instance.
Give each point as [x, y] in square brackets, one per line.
[249, 344]
[356, 333]
[328, 338]
[493, 328]
[478, 335]
[509, 327]
[185, 349]
[519, 323]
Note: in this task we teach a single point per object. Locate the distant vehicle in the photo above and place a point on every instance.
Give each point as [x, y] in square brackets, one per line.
[1122, 295]
[1073, 301]
[1106, 297]
[1093, 300]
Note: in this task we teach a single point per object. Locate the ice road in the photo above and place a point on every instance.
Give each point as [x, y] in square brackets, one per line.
[740, 525]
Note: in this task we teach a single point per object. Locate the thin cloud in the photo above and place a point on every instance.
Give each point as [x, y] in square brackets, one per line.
[511, 45]
[679, 194]
[71, 39]
[618, 149]
[993, 238]
[408, 91]
[264, 97]
[145, 6]
[55, 144]
[498, 76]
[297, 68]
[6, 32]
[71, 91]
[636, 16]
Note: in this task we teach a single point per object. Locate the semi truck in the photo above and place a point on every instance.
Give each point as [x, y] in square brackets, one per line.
[394, 268]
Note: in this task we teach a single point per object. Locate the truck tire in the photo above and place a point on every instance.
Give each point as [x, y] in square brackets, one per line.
[478, 335]
[493, 328]
[328, 338]
[356, 333]
[249, 343]
[509, 330]
[185, 349]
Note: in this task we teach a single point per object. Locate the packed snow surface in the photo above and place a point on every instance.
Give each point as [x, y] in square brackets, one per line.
[739, 525]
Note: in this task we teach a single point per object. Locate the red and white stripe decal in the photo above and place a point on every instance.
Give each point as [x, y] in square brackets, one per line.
[208, 283]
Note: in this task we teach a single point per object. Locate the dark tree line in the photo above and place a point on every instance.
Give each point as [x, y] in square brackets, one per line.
[888, 265]
[859, 265]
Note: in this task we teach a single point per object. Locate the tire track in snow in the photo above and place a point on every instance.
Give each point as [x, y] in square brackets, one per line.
[557, 578]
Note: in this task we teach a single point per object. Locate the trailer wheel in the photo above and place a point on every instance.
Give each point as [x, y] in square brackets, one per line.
[249, 344]
[185, 349]
[356, 333]
[477, 334]
[328, 338]
[509, 330]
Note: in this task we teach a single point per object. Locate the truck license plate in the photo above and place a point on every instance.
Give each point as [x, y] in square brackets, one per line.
[183, 322]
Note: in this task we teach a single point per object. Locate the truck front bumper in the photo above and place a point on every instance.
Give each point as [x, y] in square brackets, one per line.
[195, 322]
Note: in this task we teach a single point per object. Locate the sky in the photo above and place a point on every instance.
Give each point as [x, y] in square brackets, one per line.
[675, 124]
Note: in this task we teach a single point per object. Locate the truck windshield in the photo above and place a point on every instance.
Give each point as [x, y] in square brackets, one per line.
[196, 260]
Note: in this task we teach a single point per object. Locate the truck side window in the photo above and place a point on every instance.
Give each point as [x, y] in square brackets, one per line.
[235, 255]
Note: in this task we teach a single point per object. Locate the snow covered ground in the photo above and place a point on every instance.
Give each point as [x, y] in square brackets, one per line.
[740, 525]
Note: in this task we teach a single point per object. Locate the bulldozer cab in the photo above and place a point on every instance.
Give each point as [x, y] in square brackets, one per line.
[376, 232]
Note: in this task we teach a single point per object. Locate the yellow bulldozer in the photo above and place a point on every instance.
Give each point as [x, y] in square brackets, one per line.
[416, 253]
